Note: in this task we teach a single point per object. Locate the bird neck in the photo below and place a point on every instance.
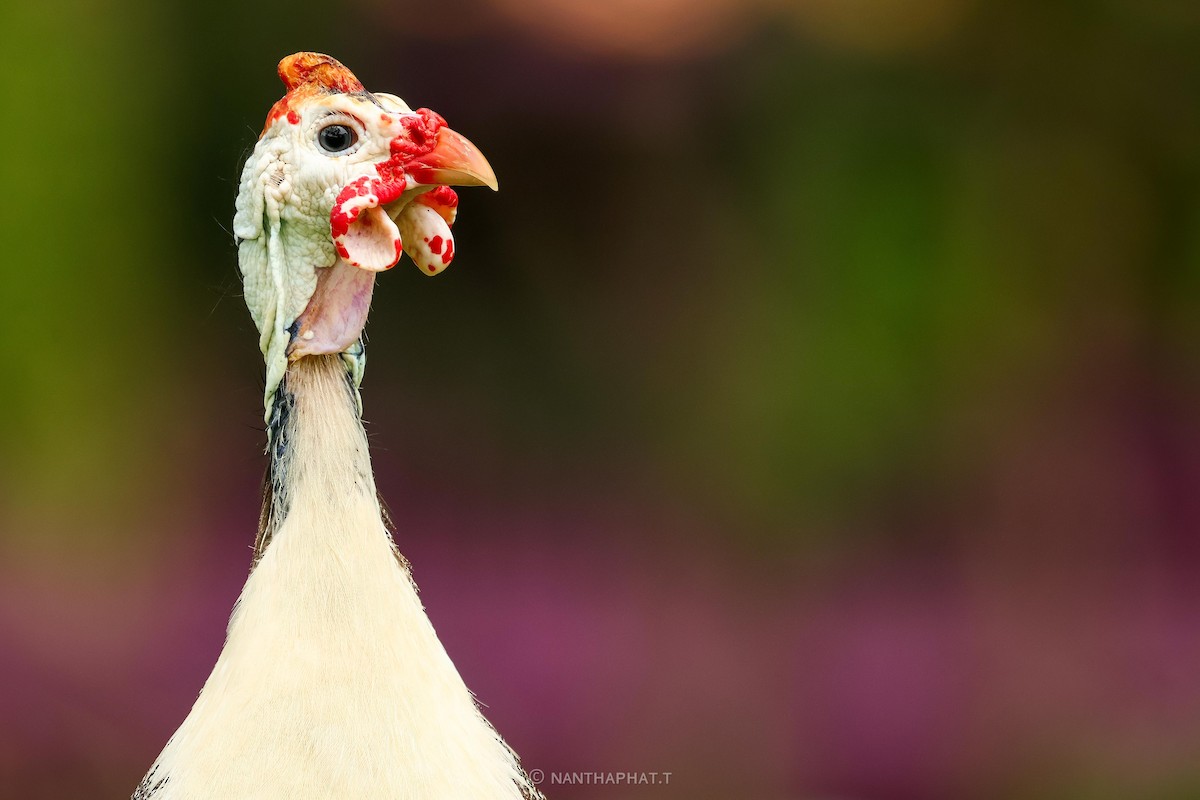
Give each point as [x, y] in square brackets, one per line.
[332, 681]
[318, 447]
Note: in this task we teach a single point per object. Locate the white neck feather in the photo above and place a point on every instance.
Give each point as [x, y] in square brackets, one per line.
[332, 682]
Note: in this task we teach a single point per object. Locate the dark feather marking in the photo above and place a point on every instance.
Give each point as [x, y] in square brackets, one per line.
[149, 787]
[275, 500]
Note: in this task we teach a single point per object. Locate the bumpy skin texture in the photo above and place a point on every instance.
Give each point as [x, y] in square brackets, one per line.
[302, 209]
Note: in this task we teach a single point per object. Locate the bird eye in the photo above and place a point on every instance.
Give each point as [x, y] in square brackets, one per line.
[336, 138]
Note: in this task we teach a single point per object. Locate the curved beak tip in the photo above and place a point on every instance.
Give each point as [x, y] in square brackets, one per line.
[454, 161]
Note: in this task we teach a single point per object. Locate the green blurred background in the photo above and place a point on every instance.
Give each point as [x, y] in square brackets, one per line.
[812, 414]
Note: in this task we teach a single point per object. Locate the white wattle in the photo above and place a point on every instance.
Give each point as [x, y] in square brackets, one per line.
[427, 238]
[332, 682]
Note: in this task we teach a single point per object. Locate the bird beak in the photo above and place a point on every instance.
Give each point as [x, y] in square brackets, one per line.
[453, 161]
[337, 309]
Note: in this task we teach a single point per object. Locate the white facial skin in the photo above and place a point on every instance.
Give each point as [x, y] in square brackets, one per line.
[326, 201]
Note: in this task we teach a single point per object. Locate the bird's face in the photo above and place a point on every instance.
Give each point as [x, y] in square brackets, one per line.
[341, 184]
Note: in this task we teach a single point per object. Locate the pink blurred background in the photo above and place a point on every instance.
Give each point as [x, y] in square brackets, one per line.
[812, 414]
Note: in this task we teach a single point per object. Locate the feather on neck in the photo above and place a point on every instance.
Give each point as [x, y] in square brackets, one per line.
[332, 682]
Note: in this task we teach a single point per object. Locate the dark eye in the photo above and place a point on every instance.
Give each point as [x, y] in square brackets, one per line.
[336, 138]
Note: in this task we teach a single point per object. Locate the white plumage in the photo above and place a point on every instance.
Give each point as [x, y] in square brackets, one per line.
[332, 682]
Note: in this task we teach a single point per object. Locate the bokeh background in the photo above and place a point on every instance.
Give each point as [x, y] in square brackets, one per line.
[813, 415]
